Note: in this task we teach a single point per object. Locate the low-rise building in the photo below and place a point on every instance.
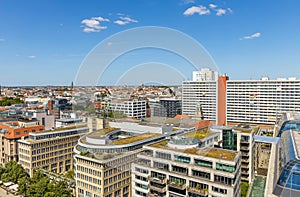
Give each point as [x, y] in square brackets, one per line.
[10, 132]
[50, 150]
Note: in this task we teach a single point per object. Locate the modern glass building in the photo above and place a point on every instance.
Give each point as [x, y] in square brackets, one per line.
[288, 183]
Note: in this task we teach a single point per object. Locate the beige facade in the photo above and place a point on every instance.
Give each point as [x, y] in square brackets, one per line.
[9, 149]
[245, 144]
[95, 123]
[103, 160]
[52, 150]
[106, 178]
[10, 133]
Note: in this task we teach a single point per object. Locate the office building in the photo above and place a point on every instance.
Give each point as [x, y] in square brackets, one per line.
[50, 150]
[284, 165]
[240, 138]
[205, 74]
[261, 101]
[165, 107]
[103, 158]
[179, 167]
[131, 108]
[10, 133]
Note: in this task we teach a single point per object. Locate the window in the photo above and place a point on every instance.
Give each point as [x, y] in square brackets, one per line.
[224, 167]
[18, 133]
[25, 131]
[224, 180]
[182, 159]
[203, 163]
[33, 131]
[219, 190]
[204, 175]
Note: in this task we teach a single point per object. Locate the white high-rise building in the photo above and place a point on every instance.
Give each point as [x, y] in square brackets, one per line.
[132, 108]
[195, 93]
[205, 74]
[261, 101]
[204, 95]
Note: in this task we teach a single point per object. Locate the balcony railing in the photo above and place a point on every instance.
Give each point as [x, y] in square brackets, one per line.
[158, 180]
[143, 163]
[244, 172]
[245, 166]
[146, 154]
[202, 192]
[155, 195]
[244, 148]
[180, 186]
[161, 190]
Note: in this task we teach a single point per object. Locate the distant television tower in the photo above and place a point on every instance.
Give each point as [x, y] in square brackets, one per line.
[72, 86]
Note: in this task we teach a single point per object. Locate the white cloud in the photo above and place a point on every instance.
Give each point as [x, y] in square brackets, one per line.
[128, 19]
[230, 10]
[94, 24]
[31, 56]
[119, 22]
[123, 20]
[2, 40]
[213, 6]
[255, 35]
[201, 10]
[99, 18]
[221, 12]
[188, 1]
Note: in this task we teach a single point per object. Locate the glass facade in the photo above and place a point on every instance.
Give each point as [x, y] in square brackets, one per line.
[229, 139]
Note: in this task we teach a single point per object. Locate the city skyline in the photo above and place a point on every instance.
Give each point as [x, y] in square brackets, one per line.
[45, 43]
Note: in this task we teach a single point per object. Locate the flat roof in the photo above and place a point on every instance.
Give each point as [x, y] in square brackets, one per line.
[266, 139]
[137, 138]
[210, 152]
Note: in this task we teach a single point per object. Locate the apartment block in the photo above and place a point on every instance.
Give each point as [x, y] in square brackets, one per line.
[50, 150]
[262, 101]
[10, 133]
[179, 167]
[132, 108]
[205, 99]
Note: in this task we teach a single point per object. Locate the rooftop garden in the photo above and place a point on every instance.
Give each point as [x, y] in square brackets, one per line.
[221, 154]
[161, 144]
[213, 153]
[200, 134]
[103, 131]
[135, 138]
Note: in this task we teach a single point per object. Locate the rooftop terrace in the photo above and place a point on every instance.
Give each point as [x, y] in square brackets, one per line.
[199, 134]
[213, 152]
[133, 139]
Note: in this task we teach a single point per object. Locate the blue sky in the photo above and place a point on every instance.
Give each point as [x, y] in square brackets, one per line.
[44, 42]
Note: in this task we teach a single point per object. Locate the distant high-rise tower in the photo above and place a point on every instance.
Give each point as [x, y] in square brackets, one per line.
[72, 88]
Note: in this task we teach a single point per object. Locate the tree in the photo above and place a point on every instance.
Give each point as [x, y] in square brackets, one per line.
[24, 184]
[13, 172]
[244, 189]
[70, 174]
